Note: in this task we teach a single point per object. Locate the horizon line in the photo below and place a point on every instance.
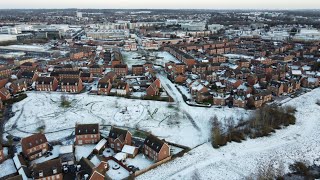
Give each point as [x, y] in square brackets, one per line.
[162, 8]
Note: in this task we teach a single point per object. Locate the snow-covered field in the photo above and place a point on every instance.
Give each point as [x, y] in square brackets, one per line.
[164, 57]
[128, 58]
[166, 120]
[239, 160]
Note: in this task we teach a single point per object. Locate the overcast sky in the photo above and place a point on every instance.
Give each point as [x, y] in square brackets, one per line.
[159, 4]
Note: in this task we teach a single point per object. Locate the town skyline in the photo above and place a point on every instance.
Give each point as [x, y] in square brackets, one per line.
[165, 4]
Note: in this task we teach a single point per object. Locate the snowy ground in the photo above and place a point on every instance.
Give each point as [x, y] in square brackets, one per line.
[116, 174]
[55, 154]
[164, 57]
[239, 160]
[129, 56]
[7, 168]
[43, 108]
[139, 161]
[83, 151]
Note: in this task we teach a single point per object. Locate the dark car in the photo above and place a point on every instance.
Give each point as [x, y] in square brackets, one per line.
[16, 139]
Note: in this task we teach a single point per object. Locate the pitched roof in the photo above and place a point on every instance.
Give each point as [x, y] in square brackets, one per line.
[45, 80]
[154, 143]
[71, 81]
[48, 168]
[86, 166]
[87, 129]
[27, 74]
[117, 132]
[4, 91]
[33, 140]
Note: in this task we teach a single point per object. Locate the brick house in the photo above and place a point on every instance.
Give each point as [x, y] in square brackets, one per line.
[29, 76]
[3, 81]
[138, 70]
[19, 85]
[180, 68]
[153, 90]
[5, 71]
[266, 96]
[87, 134]
[276, 88]
[288, 87]
[51, 169]
[46, 84]
[255, 101]
[243, 63]
[2, 157]
[180, 79]
[4, 94]
[69, 67]
[219, 100]
[96, 70]
[34, 146]
[120, 88]
[104, 86]
[239, 101]
[68, 74]
[118, 138]
[73, 85]
[120, 69]
[28, 66]
[155, 149]
[112, 76]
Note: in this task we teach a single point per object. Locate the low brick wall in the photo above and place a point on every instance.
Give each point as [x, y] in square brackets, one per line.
[137, 173]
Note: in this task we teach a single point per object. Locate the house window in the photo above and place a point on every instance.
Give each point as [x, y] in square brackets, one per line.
[118, 144]
[146, 152]
[112, 145]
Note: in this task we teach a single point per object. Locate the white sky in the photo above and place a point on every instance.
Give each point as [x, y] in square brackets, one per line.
[159, 4]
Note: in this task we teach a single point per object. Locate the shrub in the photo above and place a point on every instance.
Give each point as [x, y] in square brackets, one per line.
[65, 101]
[19, 98]
[299, 168]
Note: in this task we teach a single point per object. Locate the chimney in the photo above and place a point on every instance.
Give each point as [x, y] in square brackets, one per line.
[54, 170]
[78, 167]
[40, 173]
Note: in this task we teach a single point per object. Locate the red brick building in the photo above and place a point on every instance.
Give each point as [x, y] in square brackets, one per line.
[73, 85]
[104, 86]
[155, 149]
[5, 71]
[138, 70]
[51, 169]
[34, 146]
[96, 70]
[19, 85]
[121, 69]
[118, 138]
[4, 94]
[87, 134]
[46, 84]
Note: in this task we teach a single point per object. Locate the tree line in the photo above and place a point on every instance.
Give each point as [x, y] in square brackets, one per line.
[261, 123]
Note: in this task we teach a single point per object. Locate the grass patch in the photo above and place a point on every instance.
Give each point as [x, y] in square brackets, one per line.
[140, 134]
[65, 102]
